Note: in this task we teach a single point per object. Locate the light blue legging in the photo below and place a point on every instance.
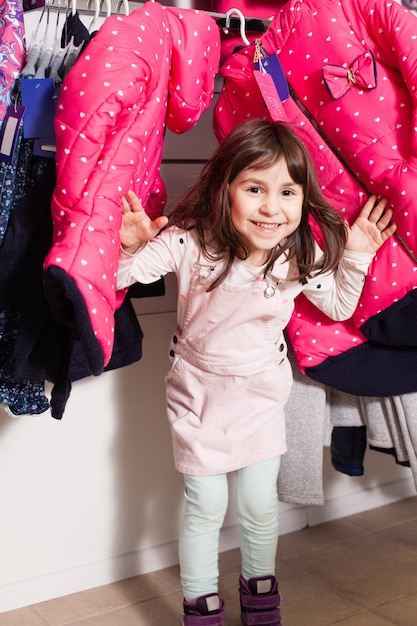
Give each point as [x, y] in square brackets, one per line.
[206, 500]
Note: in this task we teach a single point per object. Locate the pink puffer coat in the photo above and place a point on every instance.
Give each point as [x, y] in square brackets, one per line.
[371, 121]
[139, 72]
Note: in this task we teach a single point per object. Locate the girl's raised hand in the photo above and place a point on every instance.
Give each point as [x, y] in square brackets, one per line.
[137, 227]
[372, 227]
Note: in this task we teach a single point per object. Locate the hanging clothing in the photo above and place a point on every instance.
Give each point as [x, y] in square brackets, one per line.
[385, 424]
[74, 29]
[33, 346]
[29, 5]
[228, 352]
[12, 49]
[12, 56]
[28, 336]
[307, 420]
[153, 67]
[371, 126]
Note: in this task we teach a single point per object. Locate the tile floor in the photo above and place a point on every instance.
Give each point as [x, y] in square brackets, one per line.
[357, 571]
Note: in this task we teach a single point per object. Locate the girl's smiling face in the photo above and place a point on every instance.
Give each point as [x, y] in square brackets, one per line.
[266, 207]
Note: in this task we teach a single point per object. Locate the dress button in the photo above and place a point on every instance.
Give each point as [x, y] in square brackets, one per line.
[175, 339]
[281, 347]
[171, 353]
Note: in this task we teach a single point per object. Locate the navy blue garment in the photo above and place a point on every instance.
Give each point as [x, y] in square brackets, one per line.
[396, 325]
[348, 445]
[34, 347]
[371, 369]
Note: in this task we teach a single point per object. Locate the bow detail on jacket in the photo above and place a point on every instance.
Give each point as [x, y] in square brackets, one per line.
[361, 73]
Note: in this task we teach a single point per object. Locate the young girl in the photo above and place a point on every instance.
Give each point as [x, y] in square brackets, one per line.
[242, 248]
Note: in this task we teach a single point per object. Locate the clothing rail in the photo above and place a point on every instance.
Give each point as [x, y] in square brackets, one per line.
[107, 7]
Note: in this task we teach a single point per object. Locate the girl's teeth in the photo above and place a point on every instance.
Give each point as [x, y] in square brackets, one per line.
[267, 226]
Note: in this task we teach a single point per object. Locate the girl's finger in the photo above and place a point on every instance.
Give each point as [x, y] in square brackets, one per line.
[125, 205]
[385, 218]
[378, 209]
[135, 203]
[159, 223]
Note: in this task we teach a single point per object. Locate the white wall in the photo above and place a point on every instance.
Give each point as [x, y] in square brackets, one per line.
[95, 497]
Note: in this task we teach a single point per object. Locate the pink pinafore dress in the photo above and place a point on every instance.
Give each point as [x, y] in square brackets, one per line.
[230, 376]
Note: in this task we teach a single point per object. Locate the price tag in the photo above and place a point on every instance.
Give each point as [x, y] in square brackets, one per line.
[9, 132]
[270, 95]
[271, 81]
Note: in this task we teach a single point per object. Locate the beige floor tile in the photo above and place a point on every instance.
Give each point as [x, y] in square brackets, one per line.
[98, 601]
[165, 611]
[230, 562]
[170, 577]
[403, 612]
[21, 617]
[231, 604]
[405, 533]
[317, 537]
[367, 618]
[388, 515]
[369, 570]
[307, 602]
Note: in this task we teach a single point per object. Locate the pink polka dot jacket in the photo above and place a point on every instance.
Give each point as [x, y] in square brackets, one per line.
[352, 71]
[140, 72]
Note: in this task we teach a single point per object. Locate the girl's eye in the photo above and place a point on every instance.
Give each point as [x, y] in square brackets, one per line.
[288, 192]
[254, 190]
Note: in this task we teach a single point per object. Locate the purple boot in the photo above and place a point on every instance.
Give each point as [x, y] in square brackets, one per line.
[207, 611]
[260, 601]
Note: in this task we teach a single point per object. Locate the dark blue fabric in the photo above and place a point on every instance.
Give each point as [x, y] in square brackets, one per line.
[348, 445]
[396, 325]
[370, 370]
[33, 347]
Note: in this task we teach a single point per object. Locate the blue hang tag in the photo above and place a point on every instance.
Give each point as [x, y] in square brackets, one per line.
[38, 96]
[271, 64]
[9, 131]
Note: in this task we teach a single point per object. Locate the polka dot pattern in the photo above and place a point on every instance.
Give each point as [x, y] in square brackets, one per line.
[374, 129]
[133, 79]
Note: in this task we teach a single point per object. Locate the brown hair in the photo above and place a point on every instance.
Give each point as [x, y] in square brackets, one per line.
[259, 144]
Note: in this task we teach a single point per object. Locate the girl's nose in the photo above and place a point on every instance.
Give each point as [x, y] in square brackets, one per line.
[270, 207]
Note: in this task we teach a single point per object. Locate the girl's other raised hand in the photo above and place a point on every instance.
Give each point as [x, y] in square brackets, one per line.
[137, 227]
[372, 227]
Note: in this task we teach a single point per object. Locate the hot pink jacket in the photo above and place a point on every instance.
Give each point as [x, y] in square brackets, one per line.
[372, 123]
[139, 72]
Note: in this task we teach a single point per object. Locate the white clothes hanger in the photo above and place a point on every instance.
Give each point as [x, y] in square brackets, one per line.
[37, 44]
[241, 17]
[96, 14]
[125, 4]
[73, 4]
[46, 55]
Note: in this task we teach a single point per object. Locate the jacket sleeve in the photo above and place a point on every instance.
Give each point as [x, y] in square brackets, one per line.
[394, 29]
[94, 140]
[337, 294]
